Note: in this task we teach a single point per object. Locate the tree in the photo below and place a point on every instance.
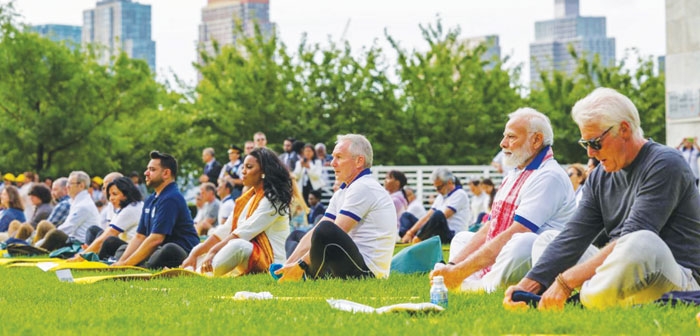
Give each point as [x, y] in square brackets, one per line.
[557, 93]
[454, 106]
[58, 106]
[256, 85]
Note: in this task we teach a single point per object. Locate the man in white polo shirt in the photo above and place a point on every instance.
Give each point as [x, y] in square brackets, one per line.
[534, 197]
[449, 215]
[356, 236]
[82, 215]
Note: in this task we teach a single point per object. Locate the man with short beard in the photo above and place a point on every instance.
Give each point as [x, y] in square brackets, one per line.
[534, 197]
[165, 234]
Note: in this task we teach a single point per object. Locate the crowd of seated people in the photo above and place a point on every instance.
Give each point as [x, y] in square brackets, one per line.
[539, 231]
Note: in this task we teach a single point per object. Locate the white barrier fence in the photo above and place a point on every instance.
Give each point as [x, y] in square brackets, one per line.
[419, 178]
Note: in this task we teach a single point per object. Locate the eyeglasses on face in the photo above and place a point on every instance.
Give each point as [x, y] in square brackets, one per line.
[594, 143]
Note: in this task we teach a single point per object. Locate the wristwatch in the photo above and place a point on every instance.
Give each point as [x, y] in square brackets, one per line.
[303, 265]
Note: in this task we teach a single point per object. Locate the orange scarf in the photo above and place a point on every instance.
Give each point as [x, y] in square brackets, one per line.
[262, 256]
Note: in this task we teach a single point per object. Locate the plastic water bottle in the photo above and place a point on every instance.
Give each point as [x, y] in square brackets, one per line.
[438, 292]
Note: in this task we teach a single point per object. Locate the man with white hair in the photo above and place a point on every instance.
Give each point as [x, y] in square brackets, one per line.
[82, 215]
[643, 196]
[534, 197]
[356, 236]
[450, 213]
[322, 155]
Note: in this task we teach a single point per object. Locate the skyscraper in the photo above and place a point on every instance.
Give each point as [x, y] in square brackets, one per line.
[587, 35]
[219, 19]
[60, 33]
[682, 64]
[120, 25]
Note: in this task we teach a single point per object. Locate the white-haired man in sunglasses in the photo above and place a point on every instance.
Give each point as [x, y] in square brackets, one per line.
[643, 196]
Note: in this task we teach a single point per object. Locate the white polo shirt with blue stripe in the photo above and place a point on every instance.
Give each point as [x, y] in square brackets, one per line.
[546, 199]
[367, 202]
[457, 201]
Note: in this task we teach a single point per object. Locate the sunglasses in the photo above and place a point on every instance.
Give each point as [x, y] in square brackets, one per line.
[594, 143]
[439, 187]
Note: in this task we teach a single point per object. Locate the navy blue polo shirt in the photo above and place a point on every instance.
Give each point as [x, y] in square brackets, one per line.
[167, 214]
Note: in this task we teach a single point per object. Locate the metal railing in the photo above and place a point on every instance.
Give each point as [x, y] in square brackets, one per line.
[419, 178]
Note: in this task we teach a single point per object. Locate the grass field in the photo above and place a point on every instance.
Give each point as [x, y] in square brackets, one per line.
[36, 303]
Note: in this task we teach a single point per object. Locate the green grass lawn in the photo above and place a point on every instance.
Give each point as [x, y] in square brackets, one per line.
[36, 303]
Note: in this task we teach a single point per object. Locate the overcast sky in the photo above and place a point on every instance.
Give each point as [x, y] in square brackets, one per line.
[633, 23]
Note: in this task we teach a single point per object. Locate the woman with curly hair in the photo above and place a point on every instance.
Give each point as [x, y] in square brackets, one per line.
[253, 237]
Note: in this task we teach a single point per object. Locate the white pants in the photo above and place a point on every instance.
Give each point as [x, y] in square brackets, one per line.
[511, 265]
[639, 270]
[233, 257]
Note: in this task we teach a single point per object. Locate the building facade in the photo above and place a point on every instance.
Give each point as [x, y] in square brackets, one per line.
[492, 54]
[220, 17]
[587, 36]
[120, 25]
[682, 68]
[60, 33]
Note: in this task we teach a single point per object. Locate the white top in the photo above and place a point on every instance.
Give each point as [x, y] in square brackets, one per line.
[546, 200]
[225, 209]
[106, 215]
[458, 201]
[690, 156]
[367, 202]
[264, 219]
[416, 208]
[208, 210]
[126, 220]
[479, 203]
[313, 173]
[82, 215]
[28, 206]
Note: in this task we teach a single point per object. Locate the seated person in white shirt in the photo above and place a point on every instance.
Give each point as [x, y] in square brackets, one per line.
[449, 214]
[82, 215]
[414, 211]
[208, 215]
[225, 193]
[253, 238]
[479, 204]
[356, 236]
[534, 197]
[125, 197]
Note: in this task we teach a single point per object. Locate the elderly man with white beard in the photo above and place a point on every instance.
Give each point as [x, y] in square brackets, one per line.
[534, 197]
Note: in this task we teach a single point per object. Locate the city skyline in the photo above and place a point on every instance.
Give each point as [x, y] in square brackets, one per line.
[175, 24]
[569, 29]
[120, 25]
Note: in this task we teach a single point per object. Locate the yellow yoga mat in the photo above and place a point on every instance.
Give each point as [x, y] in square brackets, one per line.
[171, 273]
[91, 266]
[9, 261]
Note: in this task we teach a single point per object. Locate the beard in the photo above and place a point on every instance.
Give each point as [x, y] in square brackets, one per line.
[518, 157]
[154, 183]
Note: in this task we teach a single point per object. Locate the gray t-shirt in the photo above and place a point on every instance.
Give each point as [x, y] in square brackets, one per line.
[656, 192]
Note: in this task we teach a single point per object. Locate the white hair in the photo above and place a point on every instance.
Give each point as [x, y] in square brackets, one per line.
[538, 122]
[442, 174]
[359, 145]
[209, 151]
[606, 107]
[81, 177]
